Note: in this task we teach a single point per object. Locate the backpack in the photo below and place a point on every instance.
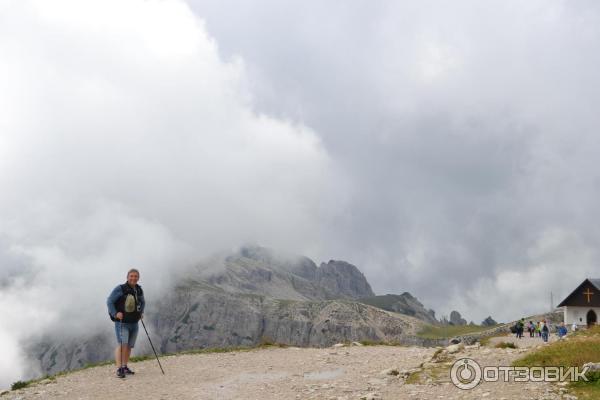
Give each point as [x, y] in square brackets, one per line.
[520, 324]
[129, 303]
[545, 328]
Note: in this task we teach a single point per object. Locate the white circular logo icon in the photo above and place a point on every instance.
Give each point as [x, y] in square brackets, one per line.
[465, 373]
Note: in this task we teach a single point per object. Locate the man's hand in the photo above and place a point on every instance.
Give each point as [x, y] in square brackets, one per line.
[141, 316]
[119, 316]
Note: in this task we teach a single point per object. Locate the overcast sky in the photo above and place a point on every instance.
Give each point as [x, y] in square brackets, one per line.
[468, 133]
[449, 149]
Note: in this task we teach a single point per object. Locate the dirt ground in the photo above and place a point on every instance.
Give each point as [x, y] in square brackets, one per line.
[349, 372]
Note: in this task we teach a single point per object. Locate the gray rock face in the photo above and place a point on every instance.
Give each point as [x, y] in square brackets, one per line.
[257, 270]
[343, 279]
[213, 319]
[404, 303]
[56, 354]
[456, 318]
[592, 367]
[489, 321]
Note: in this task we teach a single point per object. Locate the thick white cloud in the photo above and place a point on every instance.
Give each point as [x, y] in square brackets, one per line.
[125, 140]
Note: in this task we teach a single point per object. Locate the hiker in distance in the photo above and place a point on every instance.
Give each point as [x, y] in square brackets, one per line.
[126, 307]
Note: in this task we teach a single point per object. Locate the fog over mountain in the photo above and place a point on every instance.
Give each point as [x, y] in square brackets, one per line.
[446, 149]
[469, 132]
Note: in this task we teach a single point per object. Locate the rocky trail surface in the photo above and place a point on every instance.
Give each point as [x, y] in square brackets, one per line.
[338, 372]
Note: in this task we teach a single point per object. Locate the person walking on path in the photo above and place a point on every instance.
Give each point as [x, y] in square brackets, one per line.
[545, 331]
[562, 330]
[531, 329]
[520, 327]
[126, 307]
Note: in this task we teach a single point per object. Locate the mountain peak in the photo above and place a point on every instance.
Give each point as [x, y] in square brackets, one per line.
[344, 279]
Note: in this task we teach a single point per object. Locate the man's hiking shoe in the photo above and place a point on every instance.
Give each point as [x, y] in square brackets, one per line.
[120, 373]
[127, 370]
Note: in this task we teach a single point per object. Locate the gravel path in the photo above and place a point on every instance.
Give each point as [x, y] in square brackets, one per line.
[353, 372]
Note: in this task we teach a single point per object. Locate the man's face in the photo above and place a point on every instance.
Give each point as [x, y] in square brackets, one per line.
[133, 278]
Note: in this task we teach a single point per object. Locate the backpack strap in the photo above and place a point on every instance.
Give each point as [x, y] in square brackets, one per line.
[135, 294]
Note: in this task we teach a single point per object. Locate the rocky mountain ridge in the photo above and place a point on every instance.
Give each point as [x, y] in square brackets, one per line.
[257, 270]
[404, 303]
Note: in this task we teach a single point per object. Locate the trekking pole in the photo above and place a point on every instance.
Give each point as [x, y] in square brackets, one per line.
[161, 368]
[121, 340]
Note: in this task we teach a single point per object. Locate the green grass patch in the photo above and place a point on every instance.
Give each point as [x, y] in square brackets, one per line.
[385, 302]
[135, 359]
[436, 374]
[449, 331]
[505, 345]
[586, 390]
[378, 343]
[593, 332]
[19, 385]
[567, 353]
[415, 378]
[23, 384]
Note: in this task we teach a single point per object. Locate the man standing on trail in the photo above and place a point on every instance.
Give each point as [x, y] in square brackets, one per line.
[126, 307]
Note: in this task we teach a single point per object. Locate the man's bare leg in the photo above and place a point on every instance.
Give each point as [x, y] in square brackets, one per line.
[118, 356]
[126, 354]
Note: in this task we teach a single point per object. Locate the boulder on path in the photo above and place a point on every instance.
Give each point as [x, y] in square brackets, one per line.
[454, 348]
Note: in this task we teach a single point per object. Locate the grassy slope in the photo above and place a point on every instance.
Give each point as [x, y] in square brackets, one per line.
[580, 348]
[384, 301]
[442, 332]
